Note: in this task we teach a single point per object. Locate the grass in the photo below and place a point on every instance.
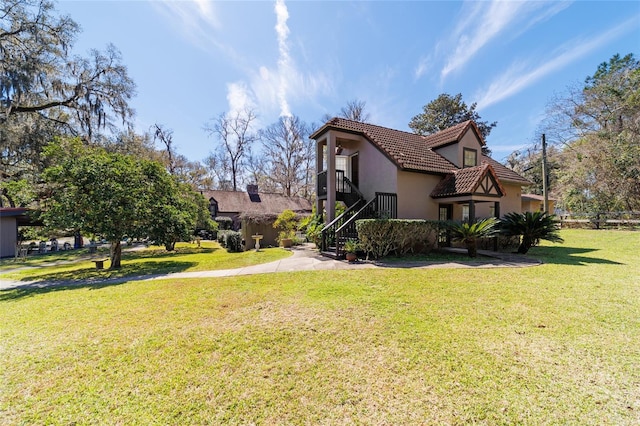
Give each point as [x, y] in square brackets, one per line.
[77, 265]
[553, 344]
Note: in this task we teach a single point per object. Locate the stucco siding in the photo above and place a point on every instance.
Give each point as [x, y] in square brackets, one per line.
[414, 200]
[511, 203]
[377, 172]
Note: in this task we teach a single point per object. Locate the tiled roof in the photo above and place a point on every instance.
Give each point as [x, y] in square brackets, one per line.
[505, 173]
[414, 152]
[462, 182]
[260, 203]
[408, 150]
[452, 134]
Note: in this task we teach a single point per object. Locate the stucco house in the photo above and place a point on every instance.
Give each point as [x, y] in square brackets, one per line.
[382, 172]
[253, 212]
[534, 202]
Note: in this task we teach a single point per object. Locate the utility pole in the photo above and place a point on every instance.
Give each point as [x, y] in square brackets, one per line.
[545, 190]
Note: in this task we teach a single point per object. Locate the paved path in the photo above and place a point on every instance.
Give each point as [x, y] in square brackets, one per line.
[304, 258]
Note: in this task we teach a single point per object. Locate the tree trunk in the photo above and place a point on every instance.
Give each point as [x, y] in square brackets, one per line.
[170, 246]
[525, 245]
[116, 254]
[472, 248]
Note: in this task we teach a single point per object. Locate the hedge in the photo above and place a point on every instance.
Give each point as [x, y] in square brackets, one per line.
[381, 237]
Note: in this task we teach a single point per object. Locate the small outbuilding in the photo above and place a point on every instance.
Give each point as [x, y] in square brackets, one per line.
[254, 212]
[10, 219]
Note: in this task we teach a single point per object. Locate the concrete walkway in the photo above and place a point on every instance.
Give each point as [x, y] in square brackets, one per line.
[304, 258]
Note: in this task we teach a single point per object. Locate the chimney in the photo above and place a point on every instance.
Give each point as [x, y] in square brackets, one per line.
[252, 190]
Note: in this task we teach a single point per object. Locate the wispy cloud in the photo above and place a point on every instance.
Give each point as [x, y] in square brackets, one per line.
[285, 65]
[482, 22]
[280, 86]
[523, 73]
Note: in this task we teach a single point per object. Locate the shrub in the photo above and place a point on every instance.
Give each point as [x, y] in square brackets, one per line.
[222, 237]
[532, 227]
[224, 222]
[470, 233]
[287, 222]
[234, 242]
[380, 237]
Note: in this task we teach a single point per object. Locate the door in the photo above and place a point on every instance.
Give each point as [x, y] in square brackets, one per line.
[445, 213]
[355, 170]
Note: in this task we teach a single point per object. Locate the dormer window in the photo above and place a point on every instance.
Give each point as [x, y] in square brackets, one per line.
[470, 158]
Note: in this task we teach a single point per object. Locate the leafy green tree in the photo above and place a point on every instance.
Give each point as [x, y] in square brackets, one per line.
[531, 227]
[469, 233]
[446, 111]
[45, 91]
[116, 196]
[598, 126]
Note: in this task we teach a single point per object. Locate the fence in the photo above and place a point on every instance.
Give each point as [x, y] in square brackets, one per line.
[609, 220]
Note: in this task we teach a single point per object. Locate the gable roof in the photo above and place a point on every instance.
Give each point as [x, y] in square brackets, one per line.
[259, 203]
[469, 181]
[407, 150]
[413, 152]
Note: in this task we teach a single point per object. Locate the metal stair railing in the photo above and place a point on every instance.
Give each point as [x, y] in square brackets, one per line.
[328, 232]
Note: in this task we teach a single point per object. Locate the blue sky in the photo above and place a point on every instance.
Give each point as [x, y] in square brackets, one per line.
[192, 60]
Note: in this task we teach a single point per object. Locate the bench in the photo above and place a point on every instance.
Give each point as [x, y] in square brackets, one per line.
[99, 263]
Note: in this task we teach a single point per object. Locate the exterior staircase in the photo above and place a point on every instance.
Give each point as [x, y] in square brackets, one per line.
[343, 228]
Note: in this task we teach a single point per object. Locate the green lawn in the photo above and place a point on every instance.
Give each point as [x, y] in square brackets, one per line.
[552, 344]
[76, 265]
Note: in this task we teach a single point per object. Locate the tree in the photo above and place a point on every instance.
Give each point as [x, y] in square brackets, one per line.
[598, 128]
[531, 227]
[354, 110]
[470, 233]
[446, 111]
[285, 145]
[165, 136]
[115, 196]
[235, 135]
[46, 92]
[38, 75]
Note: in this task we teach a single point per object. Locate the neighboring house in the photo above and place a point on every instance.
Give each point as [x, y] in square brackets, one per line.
[10, 219]
[381, 172]
[535, 202]
[254, 212]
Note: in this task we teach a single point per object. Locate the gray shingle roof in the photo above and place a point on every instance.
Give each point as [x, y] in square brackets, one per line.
[263, 203]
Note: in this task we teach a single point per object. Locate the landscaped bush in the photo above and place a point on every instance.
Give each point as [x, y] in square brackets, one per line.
[234, 242]
[222, 237]
[381, 237]
[224, 222]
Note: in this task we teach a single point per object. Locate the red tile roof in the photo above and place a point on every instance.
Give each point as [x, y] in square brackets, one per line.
[413, 152]
[464, 181]
[407, 150]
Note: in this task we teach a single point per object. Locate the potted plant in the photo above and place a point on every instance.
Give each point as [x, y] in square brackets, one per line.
[287, 223]
[350, 248]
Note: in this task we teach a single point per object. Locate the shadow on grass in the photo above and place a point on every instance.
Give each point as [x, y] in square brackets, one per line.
[91, 278]
[562, 255]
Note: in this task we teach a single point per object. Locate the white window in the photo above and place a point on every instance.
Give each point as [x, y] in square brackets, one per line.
[465, 212]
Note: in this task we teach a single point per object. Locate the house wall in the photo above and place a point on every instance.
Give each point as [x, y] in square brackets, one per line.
[9, 239]
[269, 234]
[455, 152]
[511, 203]
[414, 200]
[377, 172]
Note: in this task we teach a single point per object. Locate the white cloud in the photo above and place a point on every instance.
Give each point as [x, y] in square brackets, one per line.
[285, 64]
[485, 21]
[239, 97]
[521, 74]
[421, 69]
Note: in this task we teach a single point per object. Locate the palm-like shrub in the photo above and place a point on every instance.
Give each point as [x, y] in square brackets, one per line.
[531, 227]
[470, 233]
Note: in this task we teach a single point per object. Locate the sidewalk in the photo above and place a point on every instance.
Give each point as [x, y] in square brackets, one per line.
[304, 258]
